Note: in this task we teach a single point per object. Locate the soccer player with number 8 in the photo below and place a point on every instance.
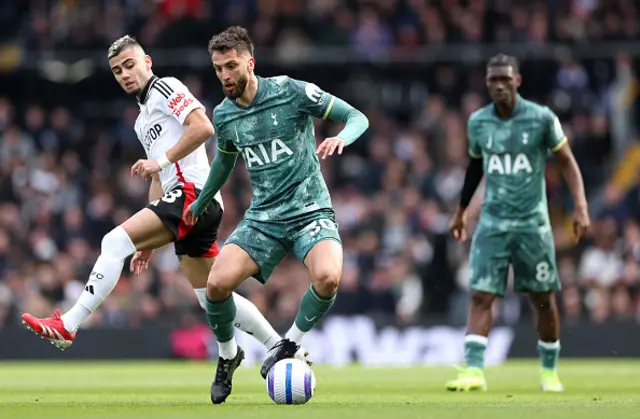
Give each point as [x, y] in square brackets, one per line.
[509, 141]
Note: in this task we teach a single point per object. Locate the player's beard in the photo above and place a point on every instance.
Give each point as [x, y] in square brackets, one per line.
[234, 94]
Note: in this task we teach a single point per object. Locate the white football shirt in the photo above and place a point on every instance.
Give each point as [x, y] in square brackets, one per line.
[164, 105]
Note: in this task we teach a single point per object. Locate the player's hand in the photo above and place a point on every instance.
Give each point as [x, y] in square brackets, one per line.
[189, 218]
[581, 223]
[145, 168]
[458, 226]
[329, 146]
[140, 261]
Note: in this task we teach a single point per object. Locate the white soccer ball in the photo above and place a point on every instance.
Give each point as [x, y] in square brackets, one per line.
[291, 381]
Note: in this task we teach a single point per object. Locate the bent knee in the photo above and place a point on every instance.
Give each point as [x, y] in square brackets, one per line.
[327, 280]
[217, 290]
[221, 282]
[482, 300]
[219, 279]
[117, 244]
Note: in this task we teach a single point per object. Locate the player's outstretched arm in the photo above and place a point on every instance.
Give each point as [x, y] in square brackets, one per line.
[573, 176]
[356, 123]
[314, 101]
[221, 167]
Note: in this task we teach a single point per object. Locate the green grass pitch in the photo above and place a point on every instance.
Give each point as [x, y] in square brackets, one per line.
[594, 389]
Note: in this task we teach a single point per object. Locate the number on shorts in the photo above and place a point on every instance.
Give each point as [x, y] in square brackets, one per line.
[316, 226]
[169, 197]
[542, 272]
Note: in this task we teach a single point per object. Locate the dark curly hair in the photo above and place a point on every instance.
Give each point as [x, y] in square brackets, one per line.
[234, 37]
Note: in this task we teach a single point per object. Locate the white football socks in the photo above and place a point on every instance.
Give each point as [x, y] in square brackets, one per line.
[549, 345]
[250, 320]
[295, 335]
[201, 295]
[116, 246]
[73, 318]
[228, 350]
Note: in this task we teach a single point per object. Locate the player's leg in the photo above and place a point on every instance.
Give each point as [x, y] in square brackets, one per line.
[548, 327]
[248, 318]
[230, 269]
[319, 247]
[249, 251]
[489, 264]
[535, 272]
[324, 262]
[317, 243]
[479, 324]
[143, 231]
[197, 250]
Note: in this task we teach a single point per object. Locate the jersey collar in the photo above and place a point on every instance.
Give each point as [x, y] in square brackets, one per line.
[144, 95]
[257, 97]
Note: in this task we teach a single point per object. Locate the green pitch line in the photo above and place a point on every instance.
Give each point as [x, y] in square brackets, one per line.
[132, 390]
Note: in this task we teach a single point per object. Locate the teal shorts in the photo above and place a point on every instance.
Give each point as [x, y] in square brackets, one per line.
[531, 254]
[269, 242]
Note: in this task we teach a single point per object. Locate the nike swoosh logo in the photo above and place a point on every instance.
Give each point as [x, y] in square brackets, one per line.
[310, 319]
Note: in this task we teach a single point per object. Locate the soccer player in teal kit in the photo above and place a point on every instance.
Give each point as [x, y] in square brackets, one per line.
[270, 122]
[509, 141]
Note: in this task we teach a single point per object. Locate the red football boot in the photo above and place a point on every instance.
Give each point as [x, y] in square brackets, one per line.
[50, 328]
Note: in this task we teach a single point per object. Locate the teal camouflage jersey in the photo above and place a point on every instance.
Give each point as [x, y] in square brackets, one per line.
[514, 153]
[275, 135]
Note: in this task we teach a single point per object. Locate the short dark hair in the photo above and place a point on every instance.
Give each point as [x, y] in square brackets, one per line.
[234, 37]
[121, 44]
[503, 60]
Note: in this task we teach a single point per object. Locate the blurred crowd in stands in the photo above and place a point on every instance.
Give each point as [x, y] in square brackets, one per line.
[64, 179]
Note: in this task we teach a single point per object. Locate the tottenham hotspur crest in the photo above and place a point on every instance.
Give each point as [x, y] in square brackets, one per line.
[274, 116]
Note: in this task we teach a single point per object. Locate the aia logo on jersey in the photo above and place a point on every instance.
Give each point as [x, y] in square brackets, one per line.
[507, 164]
[178, 103]
[263, 154]
[151, 136]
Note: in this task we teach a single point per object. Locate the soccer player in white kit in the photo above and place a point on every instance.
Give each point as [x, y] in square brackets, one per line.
[172, 127]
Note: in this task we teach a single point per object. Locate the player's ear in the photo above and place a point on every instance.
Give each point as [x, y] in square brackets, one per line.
[518, 80]
[251, 64]
[147, 62]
